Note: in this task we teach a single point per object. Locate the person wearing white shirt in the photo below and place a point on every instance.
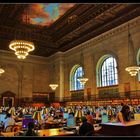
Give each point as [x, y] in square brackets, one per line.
[8, 121]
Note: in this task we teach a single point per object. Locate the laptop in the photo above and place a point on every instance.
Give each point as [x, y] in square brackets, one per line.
[105, 119]
[65, 115]
[2, 117]
[26, 121]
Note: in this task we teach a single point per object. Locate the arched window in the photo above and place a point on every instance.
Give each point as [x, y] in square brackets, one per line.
[107, 71]
[75, 73]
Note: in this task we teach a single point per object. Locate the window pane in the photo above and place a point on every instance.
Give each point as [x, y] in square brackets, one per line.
[75, 83]
[109, 73]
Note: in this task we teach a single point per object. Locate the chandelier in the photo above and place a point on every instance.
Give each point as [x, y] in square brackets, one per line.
[53, 86]
[22, 47]
[133, 69]
[1, 71]
[82, 79]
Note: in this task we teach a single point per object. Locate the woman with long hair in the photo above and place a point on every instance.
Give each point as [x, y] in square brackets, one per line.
[124, 115]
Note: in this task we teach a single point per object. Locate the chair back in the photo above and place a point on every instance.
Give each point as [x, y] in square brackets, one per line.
[7, 134]
[12, 128]
[8, 128]
[16, 128]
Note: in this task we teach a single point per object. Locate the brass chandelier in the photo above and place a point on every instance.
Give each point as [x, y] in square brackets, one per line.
[53, 85]
[133, 69]
[82, 79]
[22, 47]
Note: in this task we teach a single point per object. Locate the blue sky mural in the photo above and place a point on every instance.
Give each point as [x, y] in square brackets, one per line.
[46, 14]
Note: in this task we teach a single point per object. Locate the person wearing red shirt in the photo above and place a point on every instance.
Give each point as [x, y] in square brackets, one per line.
[89, 118]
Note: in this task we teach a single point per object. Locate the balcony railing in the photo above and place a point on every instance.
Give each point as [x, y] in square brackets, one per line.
[96, 97]
[93, 97]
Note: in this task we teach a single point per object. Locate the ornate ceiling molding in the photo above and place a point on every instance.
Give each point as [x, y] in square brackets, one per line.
[124, 27]
[91, 23]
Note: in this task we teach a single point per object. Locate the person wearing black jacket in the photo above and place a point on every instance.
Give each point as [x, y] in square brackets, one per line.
[30, 131]
[86, 129]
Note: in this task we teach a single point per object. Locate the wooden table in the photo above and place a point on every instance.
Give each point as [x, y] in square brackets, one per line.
[8, 134]
[131, 128]
[55, 124]
[55, 132]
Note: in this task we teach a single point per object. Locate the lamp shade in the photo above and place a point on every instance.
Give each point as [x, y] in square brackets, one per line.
[78, 114]
[24, 111]
[44, 111]
[65, 109]
[12, 111]
[70, 110]
[37, 116]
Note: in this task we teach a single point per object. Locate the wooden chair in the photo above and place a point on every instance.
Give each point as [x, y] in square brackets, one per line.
[43, 126]
[16, 128]
[8, 128]
[12, 128]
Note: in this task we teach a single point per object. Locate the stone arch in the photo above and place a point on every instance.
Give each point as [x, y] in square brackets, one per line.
[8, 98]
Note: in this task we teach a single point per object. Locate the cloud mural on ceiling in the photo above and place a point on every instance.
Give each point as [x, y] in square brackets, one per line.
[46, 14]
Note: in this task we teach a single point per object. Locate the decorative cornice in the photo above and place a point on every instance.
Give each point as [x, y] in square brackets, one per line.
[110, 33]
[7, 55]
[104, 36]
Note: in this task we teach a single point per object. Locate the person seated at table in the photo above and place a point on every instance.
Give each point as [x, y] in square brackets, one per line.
[8, 121]
[50, 118]
[56, 117]
[86, 129]
[20, 114]
[89, 118]
[31, 131]
[124, 115]
[60, 116]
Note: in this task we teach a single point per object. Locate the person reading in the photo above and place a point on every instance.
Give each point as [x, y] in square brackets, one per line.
[124, 115]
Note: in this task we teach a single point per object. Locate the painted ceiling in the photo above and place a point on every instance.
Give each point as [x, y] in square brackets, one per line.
[46, 14]
[67, 30]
